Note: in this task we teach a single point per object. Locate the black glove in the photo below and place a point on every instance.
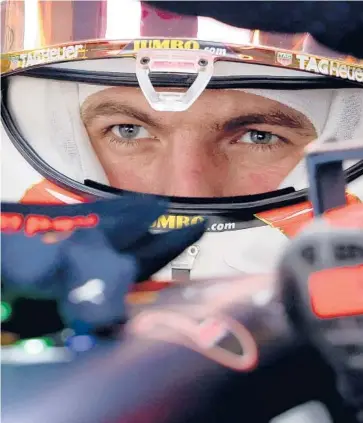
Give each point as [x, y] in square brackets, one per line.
[90, 272]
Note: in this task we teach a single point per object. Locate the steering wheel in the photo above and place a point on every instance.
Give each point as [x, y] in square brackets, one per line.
[217, 351]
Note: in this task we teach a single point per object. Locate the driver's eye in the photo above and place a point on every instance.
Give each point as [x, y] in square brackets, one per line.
[259, 137]
[129, 131]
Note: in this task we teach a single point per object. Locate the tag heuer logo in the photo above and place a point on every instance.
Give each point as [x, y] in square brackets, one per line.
[285, 59]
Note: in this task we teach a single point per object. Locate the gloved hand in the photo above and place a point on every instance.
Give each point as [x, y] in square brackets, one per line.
[90, 272]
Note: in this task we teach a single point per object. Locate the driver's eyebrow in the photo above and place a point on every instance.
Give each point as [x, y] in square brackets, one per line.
[110, 108]
[271, 117]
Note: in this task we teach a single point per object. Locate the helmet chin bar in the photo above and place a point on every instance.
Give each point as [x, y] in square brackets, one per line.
[148, 61]
[327, 180]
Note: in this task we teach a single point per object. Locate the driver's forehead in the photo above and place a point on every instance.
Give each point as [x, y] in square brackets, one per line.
[134, 95]
[212, 105]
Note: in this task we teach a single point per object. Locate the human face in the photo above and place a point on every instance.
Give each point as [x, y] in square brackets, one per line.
[227, 143]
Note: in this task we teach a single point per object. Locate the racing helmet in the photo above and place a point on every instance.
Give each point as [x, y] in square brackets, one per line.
[108, 98]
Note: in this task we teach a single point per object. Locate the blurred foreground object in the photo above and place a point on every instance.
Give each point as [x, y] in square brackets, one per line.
[322, 271]
[336, 24]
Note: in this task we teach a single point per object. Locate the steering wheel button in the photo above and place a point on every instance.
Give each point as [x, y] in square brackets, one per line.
[337, 292]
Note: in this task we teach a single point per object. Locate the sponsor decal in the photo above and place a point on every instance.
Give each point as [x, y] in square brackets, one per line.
[285, 59]
[33, 224]
[54, 54]
[219, 338]
[218, 51]
[221, 227]
[178, 221]
[167, 44]
[330, 67]
[173, 44]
